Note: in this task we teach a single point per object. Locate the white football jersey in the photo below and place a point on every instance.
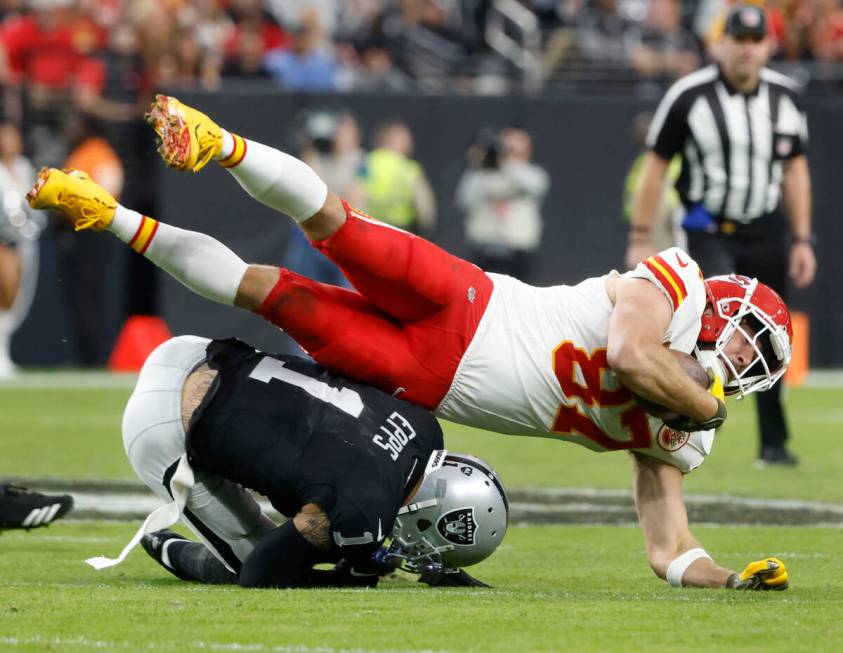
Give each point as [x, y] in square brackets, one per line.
[537, 365]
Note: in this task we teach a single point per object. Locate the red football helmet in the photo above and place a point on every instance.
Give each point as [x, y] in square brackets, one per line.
[738, 304]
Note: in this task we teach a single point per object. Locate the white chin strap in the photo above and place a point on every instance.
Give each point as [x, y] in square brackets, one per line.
[163, 517]
[710, 359]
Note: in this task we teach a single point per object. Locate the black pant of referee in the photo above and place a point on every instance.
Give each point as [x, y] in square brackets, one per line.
[757, 249]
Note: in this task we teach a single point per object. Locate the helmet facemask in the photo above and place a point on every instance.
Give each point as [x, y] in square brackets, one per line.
[457, 517]
[411, 549]
[769, 341]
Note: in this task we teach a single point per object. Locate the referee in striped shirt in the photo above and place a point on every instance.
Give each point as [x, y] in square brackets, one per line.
[741, 132]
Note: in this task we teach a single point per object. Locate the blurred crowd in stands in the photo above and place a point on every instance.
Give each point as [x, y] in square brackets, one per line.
[105, 57]
[475, 46]
[77, 75]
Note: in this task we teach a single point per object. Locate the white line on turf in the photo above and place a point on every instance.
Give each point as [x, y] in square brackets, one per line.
[62, 380]
[548, 494]
[102, 380]
[107, 421]
[63, 538]
[824, 379]
[537, 505]
[84, 642]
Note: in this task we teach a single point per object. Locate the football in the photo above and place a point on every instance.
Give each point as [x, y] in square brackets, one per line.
[692, 368]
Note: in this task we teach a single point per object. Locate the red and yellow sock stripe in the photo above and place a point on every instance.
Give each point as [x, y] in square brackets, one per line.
[142, 239]
[237, 154]
[668, 278]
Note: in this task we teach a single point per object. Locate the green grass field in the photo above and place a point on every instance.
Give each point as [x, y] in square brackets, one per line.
[556, 588]
[75, 433]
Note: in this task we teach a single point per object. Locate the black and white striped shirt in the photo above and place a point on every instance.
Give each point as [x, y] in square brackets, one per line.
[733, 146]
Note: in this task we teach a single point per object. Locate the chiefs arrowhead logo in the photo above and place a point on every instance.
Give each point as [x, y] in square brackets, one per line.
[671, 440]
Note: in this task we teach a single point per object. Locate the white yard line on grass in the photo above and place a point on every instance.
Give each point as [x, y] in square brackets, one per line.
[824, 379]
[528, 505]
[67, 380]
[552, 494]
[84, 642]
[84, 539]
[104, 380]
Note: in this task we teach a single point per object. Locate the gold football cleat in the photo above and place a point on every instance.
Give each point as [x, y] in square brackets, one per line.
[188, 138]
[76, 195]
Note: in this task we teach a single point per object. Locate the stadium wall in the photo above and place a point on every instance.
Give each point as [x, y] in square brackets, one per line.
[584, 141]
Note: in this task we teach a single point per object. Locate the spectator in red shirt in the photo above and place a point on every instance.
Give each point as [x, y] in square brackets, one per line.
[43, 51]
[828, 32]
[45, 48]
[250, 16]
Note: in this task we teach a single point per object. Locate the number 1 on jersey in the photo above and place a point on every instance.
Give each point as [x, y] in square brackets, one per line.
[346, 399]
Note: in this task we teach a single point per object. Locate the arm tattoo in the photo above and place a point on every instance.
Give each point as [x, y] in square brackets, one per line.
[315, 529]
[195, 388]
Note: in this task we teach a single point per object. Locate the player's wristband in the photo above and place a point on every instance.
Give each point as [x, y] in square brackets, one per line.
[808, 240]
[677, 568]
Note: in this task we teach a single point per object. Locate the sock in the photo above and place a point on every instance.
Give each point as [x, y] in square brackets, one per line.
[196, 560]
[274, 178]
[203, 264]
[165, 552]
[227, 146]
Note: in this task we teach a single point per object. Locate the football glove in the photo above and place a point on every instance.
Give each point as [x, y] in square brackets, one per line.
[450, 578]
[767, 574]
[344, 574]
[685, 423]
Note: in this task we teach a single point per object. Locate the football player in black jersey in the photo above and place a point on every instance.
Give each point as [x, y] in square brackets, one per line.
[361, 475]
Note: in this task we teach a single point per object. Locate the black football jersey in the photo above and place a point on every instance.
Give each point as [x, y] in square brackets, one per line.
[287, 428]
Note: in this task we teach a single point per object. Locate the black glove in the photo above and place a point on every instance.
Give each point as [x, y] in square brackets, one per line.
[686, 424]
[450, 578]
[344, 574]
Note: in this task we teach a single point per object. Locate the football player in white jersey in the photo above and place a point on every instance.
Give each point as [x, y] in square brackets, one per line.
[481, 349]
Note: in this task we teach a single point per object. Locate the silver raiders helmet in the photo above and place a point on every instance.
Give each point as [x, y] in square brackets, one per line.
[457, 518]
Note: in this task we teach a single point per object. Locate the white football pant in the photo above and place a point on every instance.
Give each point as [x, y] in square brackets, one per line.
[221, 513]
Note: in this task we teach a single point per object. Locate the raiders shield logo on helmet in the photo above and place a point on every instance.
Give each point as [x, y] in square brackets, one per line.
[458, 526]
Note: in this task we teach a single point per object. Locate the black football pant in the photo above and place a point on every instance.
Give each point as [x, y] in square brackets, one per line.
[760, 249]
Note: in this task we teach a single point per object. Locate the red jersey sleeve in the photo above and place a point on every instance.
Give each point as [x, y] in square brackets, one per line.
[91, 74]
